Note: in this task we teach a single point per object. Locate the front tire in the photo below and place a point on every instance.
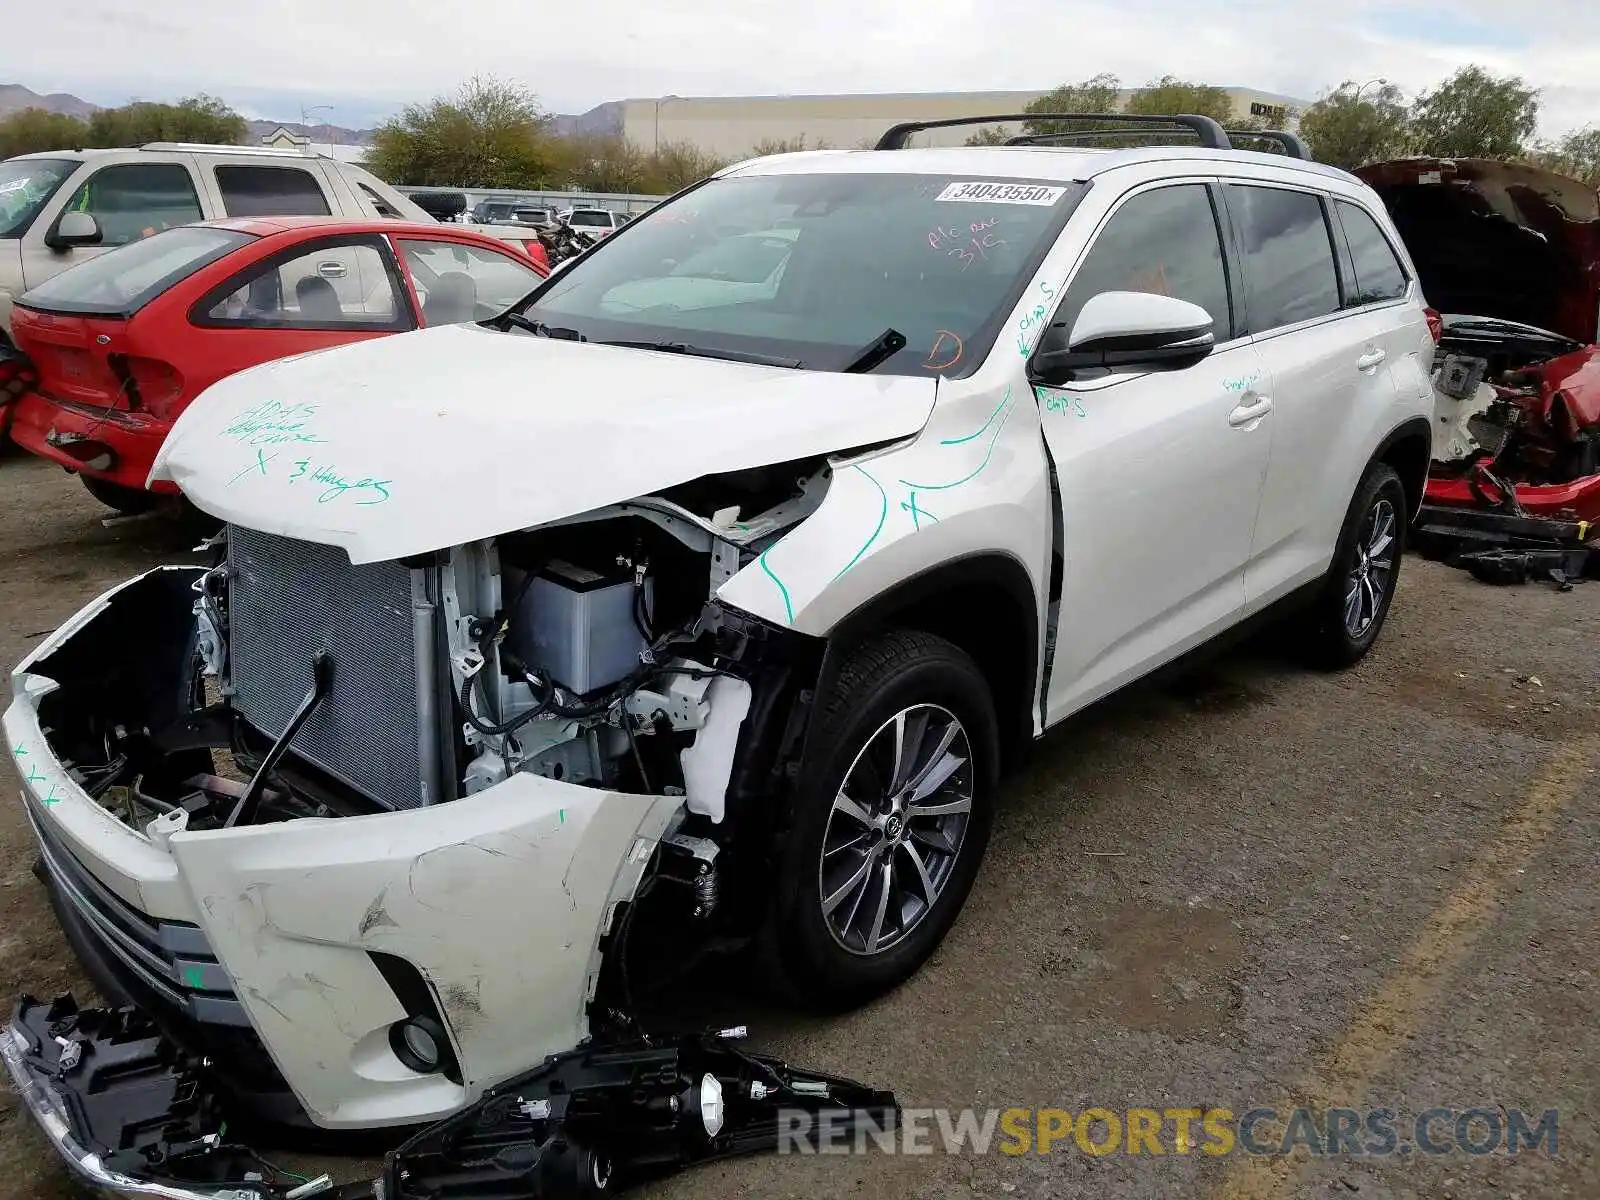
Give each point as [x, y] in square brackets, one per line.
[126, 500]
[1349, 611]
[892, 816]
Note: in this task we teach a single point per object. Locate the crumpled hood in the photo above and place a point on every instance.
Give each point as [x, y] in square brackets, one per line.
[421, 441]
[1498, 239]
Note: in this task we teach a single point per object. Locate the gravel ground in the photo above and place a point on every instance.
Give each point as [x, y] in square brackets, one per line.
[1255, 886]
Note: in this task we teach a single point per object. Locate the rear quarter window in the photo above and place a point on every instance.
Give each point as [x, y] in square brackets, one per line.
[257, 191]
[122, 281]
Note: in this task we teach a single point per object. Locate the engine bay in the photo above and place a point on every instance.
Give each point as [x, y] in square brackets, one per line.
[286, 684]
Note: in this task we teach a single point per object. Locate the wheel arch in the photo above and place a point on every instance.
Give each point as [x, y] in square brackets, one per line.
[985, 603]
[1408, 448]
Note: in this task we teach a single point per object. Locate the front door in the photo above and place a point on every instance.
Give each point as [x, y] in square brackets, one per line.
[1159, 473]
[129, 201]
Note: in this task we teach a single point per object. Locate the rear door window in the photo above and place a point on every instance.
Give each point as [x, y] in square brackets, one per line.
[136, 200]
[334, 285]
[262, 191]
[457, 283]
[1378, 273]
[1288, 256]
[124, 281]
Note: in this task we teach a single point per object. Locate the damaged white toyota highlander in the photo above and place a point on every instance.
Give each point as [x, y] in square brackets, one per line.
[695, 603]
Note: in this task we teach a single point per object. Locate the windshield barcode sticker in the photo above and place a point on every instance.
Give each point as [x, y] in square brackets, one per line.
[1002, 193]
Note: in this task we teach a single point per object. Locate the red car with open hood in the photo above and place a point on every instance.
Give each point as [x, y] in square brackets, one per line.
[115, 348]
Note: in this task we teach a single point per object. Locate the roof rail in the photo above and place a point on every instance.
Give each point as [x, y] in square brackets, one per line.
[262, 151]
[1208, 131]
[1292, 144]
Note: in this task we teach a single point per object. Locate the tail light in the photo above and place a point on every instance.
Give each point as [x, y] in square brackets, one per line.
[17, 374]
[151, 384]
[537, 252]
[1435, 323]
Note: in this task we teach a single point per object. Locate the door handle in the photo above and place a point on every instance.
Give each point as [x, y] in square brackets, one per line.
[1247, 414]
[332, 269]
[1370, 359]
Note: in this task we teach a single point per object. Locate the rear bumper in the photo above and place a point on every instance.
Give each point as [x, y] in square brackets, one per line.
[1578, 500]
[109, 444]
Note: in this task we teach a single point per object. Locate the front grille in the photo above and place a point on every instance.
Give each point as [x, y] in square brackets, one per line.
[172, 959]
[287, 600]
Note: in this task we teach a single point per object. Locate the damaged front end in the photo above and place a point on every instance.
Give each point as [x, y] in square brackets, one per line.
[133, 1116]
[1514, 490]
[356, 844]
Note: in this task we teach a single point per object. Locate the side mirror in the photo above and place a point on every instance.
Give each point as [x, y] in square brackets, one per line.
[75, 229]
[1129, 329]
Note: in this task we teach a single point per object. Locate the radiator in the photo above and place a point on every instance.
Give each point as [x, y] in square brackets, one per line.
[287, 600]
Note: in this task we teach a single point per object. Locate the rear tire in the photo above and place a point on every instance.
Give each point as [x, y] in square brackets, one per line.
[892, 814]
[1348, 613]
[126, 500]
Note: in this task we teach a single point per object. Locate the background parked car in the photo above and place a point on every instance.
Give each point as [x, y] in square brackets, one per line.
[597, 221]
[61, 208]
[123, 343]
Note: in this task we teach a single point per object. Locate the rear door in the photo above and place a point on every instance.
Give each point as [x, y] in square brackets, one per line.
[1328, 373]
[287, 304]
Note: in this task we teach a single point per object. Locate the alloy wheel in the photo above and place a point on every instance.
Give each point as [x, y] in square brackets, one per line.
[1372, 574]
[896, 829]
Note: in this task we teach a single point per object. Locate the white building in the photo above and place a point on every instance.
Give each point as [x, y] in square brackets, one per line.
[730, 125]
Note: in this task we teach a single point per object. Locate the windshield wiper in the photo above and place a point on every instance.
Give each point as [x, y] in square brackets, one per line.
[540, 329]
[887, 344]
[760, 360]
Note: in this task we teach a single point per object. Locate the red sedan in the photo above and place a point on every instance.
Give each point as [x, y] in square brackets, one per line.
[118, 346]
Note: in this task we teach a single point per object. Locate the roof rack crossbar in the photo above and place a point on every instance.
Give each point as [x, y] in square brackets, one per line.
[1087, 135]
[1209, 132]
[1293, 144]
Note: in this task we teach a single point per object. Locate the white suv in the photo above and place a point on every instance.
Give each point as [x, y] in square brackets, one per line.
[711, 614]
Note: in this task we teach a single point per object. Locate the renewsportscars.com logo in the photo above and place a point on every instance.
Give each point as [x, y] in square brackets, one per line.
[1376, 1132]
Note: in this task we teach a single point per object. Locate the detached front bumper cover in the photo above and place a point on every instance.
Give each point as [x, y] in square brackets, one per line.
[131, 1116]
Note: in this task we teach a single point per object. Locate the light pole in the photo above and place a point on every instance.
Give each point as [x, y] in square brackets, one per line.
[306, 124]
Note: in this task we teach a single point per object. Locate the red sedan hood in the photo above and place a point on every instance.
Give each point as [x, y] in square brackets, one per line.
[1499, 239]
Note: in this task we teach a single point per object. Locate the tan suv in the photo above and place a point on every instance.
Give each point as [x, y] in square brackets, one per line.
[59, 208]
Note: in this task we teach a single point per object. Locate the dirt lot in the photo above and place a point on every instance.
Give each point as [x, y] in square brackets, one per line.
[1254, 887]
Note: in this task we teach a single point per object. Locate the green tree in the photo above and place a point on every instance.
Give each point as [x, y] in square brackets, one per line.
[989, 135]
[35, 129]
[604, 164]
[1172, 95]
[199, 118]
[678, 164]
[1095, 95]
[790, 145]
[1576, 155]
[1474, 114]
[1352, 126]
[491, 133]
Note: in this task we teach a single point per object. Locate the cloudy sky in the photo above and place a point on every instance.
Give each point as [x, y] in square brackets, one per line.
[366, 58]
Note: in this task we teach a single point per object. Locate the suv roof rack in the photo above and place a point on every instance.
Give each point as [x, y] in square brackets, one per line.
[1292, 145]
[262, 151]
[1211, 134]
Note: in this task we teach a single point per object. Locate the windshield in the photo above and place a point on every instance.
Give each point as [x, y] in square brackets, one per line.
[26, 184]
[122, 281]
[815, 268]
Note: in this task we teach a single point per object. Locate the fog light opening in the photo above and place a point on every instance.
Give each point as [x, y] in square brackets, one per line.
[419, 1043]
